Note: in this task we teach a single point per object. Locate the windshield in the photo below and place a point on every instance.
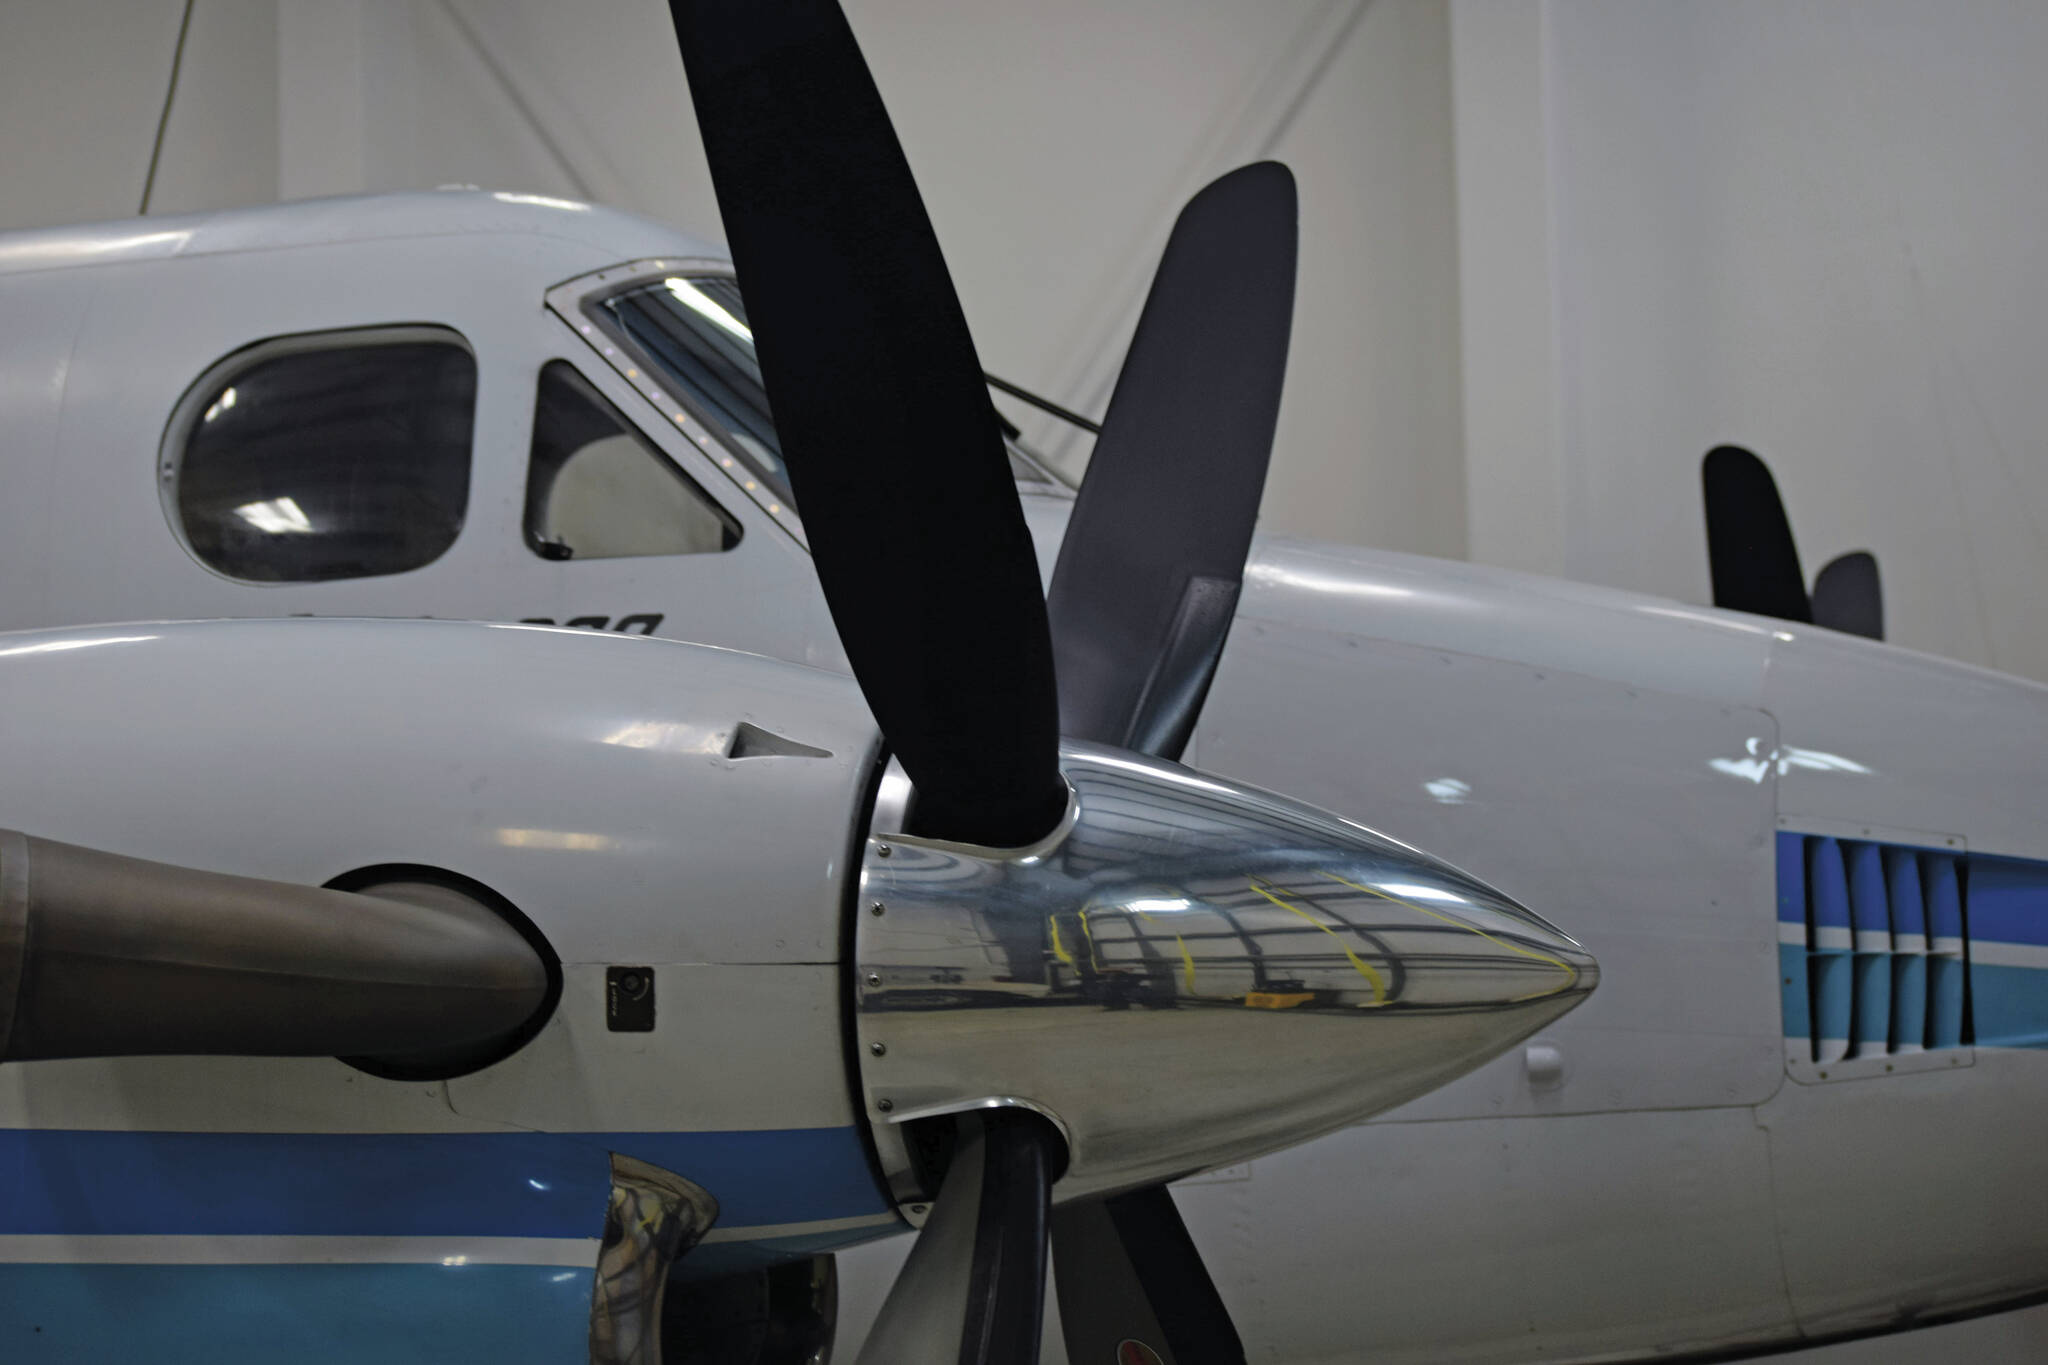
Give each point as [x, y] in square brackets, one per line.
[692, 331]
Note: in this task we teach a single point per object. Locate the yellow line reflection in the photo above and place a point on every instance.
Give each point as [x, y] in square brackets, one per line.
[1059, 949]
[1365, 969]
[1571, 973]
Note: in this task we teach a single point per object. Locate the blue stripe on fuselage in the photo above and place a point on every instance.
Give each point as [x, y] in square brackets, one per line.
[1791, 877]
[1792, 987]
[2006, 903]
[2007, 900]
[305, 1314]
[2009, 1005]
[502, 1184]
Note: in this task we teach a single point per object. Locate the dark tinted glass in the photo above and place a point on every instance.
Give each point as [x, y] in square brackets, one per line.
[343, 462]
[695, 332]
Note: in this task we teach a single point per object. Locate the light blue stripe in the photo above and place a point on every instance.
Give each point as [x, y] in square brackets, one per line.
[1792, 985]
[1833, 992]
[1873, 1006]
[507, 1184]
[301, 1314]
[1909, 1003]
[2009, 1005]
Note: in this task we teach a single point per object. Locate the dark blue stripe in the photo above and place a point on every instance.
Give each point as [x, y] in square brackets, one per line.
[512, 1184]
[1869, 905]
[2008, 900]
[304, 1314]
[1828, 886]
[1902, 887]
[1944, 897]
[1791, 878]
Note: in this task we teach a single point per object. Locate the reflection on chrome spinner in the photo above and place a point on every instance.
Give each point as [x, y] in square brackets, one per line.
[1187, 973]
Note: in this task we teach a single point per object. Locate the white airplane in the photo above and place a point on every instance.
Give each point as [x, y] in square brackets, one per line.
[1800, 1107]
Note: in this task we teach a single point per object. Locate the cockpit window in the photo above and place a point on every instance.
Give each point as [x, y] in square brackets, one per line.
[344, 455]
[597, 490]
[695, 332]
[692, 331]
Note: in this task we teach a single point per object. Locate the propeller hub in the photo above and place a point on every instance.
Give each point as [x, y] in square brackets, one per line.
[1186, 973]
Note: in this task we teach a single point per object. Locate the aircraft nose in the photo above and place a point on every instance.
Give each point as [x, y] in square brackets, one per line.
[1189, 972]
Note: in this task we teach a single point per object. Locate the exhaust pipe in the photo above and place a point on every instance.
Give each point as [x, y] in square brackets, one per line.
[107, 956]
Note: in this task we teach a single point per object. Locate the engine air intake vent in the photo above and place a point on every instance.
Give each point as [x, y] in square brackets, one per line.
[1883, 929]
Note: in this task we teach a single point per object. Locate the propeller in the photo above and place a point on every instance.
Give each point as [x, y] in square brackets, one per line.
[1848, 595]
[1750, 553]
[1148, 575]
[897, 461]
[1754, 561]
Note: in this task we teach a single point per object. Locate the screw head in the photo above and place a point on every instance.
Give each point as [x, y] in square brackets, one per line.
[883, 850]
[876, 907]
[874, 978]
[885, 1105]
[918, 1209]
[879, 1049]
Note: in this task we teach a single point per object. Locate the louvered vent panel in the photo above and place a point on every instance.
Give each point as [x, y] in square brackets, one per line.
[1946, 917]
[1884, 947]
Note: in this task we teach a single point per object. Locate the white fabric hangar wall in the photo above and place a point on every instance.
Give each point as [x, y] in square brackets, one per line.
[1814, 229]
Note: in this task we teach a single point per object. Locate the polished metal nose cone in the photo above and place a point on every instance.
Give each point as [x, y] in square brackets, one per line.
[1187, 973]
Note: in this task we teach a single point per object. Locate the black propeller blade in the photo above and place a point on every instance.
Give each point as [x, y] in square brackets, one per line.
[1750, 553]
[1148, 575]
[973, 1289]
[892, 445]
[1128, 1271]
[1755, 562]
[1848, 596]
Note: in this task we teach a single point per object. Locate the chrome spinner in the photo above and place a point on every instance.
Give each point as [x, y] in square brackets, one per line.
[1186, 973]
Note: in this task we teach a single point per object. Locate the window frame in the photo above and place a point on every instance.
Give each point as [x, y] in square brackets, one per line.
[191, 403]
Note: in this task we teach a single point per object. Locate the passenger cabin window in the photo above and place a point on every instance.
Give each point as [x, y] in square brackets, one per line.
[314, 458]
[596, 489]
